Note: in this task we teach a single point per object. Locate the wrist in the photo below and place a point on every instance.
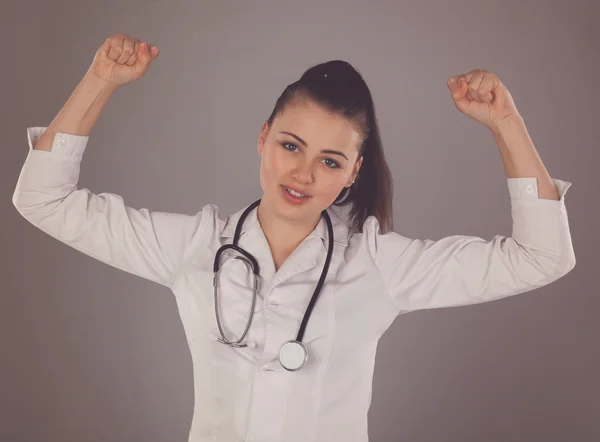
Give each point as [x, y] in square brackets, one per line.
[98, 83]
[506, 124]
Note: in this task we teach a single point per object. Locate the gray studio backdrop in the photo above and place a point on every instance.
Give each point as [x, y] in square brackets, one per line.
[90, 353]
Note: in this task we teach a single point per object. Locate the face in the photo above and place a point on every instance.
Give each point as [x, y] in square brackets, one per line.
[312, 151]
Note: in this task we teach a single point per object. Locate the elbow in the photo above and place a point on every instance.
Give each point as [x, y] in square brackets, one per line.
[23, 204]
[562, 264]
[35, 207]
[568, 263]
[24, 197]
[17, 201]
[549, 267]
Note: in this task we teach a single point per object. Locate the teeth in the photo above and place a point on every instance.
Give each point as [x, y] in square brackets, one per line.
[299, 195]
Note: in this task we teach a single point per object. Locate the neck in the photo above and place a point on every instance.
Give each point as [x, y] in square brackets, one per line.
[283, 235]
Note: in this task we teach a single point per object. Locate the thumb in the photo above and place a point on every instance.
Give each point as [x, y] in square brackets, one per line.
[147, 53]
[456, 87]
[105, 48]
[154, 52]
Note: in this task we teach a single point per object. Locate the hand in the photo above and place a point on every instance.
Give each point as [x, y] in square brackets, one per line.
[122, 59]
[481, 95]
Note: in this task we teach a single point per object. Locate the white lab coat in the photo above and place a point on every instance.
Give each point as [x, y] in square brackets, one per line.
[243, 394]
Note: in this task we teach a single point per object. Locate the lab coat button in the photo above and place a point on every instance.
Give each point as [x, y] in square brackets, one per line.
[264, 368]
[61, 142]
[529, 188]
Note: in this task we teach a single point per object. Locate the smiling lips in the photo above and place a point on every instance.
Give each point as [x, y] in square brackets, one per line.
[299, 194]
[292, 198]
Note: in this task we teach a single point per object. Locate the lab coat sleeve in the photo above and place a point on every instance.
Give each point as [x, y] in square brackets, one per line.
[152, 245]
[460, 270]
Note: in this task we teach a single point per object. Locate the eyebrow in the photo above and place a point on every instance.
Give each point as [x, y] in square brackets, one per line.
[301, 141]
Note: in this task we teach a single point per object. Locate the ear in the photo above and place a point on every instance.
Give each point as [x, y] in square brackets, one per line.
[262, 137]
[355, 171]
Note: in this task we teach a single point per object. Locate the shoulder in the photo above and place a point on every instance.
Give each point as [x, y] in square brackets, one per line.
[212, 220]
[218, 224]
[372, 238]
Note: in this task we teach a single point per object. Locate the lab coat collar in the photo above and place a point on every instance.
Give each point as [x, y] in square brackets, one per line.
[252, 239]
[340, 227]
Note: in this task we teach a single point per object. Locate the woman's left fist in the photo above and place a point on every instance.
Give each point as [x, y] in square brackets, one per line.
[481, 95]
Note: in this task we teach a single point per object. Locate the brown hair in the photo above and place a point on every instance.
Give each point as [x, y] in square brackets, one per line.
[339, 88]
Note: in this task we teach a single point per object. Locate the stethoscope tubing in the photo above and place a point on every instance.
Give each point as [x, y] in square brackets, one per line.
[252, 263]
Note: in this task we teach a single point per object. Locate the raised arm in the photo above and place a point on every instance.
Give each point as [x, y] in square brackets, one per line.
[460, 270]
[152, 245]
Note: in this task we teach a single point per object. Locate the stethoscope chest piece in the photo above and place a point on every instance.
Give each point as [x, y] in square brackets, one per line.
[293, 355]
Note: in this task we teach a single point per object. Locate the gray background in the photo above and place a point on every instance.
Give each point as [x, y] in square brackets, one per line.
[91, 353]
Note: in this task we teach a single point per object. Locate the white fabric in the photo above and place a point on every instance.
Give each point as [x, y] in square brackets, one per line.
[243, 394]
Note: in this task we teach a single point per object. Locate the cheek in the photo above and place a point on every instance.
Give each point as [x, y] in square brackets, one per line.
[270, 163]
[331, 187]
[277, 164]
[271, 168]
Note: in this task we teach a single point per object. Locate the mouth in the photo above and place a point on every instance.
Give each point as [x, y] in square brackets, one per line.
[296, 192]
[293, 195]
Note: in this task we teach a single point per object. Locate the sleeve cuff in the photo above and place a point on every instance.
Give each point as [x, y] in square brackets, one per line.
[527, 188]
[64, 144]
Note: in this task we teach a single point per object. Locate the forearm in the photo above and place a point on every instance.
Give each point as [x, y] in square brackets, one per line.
[80, 112]
[520, 156]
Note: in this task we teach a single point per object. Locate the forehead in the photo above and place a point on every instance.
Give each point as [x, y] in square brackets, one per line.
[314, 124]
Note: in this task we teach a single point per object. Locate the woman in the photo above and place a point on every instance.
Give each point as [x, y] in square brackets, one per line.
[281, 374]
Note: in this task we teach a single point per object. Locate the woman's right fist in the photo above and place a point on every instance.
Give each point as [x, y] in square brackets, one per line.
[122, 59]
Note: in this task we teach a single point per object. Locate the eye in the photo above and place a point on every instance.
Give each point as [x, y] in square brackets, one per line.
[332, 164]
[289, 144]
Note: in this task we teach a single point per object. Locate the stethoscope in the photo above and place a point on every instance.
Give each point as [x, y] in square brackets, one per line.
[293, 354]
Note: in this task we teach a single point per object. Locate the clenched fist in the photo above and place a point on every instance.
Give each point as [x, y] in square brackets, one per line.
[122, 59]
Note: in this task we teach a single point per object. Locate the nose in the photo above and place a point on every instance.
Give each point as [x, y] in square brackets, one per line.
[303, 173]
